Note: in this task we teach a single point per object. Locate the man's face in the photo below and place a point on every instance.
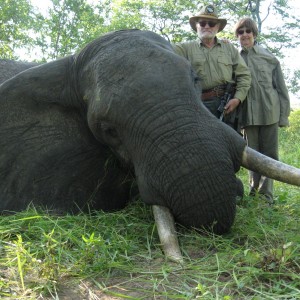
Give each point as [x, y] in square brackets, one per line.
[207, 29]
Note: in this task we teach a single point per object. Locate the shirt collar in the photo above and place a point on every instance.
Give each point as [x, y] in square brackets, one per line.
[246, 50]
[218, 42]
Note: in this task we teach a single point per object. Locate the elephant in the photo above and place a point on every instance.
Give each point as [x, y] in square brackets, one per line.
[10, 68]
[79, 132]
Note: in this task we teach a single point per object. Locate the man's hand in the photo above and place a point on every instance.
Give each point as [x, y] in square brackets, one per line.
[231, 105]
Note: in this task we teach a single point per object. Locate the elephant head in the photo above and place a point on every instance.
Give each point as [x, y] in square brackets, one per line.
[126, 95]
[143, 101]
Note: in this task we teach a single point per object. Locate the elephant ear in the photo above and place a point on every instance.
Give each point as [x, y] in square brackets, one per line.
[10, 68]
[52, 82]
[48, 152]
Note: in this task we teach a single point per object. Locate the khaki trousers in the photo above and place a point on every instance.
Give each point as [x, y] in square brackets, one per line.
[264, 139]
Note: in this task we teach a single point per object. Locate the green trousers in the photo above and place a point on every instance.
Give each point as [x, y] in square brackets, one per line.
[263, 139]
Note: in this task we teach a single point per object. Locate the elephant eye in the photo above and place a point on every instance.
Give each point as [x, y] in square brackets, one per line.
[112, 138]
[110, 134]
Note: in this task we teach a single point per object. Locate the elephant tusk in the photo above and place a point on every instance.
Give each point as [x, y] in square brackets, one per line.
[252, 160]
[257, 162]
[166, 232]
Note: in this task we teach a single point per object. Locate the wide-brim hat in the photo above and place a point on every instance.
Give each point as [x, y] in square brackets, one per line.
[208, 12]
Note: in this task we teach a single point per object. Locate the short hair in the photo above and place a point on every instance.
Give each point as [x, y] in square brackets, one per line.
[248, 23]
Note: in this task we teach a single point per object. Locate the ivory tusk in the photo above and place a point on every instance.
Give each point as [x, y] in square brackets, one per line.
[166, 232]
[257, 162]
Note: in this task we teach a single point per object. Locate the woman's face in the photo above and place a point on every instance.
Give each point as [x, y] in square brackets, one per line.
[245, 37]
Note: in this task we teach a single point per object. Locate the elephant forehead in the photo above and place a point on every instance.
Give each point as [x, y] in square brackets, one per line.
[134, 71]
[145, 72]
[120, 54]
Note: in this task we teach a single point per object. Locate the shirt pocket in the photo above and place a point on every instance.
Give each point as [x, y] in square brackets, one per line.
[264, 74]
[198, 64]
[225, 67]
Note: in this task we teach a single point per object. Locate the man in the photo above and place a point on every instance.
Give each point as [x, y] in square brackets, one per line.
[267, 106]
[216, 62]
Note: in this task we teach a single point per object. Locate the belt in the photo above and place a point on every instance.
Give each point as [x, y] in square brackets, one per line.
[214, 92]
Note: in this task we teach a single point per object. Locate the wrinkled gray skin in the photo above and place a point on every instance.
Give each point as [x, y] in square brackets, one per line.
[126, 95]
[9, 68]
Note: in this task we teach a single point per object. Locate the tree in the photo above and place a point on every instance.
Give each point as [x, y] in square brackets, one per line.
[69, 25]
[16, 19]
[127, 14]
[169, 18]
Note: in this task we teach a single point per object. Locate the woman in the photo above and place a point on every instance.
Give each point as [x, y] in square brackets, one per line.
[267, 106]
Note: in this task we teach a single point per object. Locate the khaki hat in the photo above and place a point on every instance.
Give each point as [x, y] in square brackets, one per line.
[208, 12]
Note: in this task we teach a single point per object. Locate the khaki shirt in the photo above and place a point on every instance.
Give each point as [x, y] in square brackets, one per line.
[217, 65]
[268, 100]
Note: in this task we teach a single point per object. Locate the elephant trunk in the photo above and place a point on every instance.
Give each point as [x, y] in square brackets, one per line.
[180, 175]
[251, 160]
[257, 162]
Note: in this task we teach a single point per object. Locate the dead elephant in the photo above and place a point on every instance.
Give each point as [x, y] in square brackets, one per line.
[73, 130]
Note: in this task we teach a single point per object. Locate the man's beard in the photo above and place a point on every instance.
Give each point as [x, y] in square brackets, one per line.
[206, 35]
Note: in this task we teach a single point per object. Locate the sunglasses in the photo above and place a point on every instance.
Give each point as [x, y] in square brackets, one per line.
[210, 23]
[240, 32]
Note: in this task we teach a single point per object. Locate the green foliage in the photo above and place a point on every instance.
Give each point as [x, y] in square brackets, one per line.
[41, 250]
[293, 83]
[70, 24]
[126, 14]
[289, 149]
[170, 18]
[16, 18]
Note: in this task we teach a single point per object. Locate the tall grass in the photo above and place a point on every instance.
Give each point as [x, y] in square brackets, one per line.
[118, 256]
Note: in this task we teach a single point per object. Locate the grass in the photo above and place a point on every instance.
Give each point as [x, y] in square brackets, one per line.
[118, 256]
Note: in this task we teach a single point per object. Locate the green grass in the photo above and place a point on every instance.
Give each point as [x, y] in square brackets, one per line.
[118, 256]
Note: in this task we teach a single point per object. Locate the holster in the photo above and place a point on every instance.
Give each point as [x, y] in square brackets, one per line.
[234, 119]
